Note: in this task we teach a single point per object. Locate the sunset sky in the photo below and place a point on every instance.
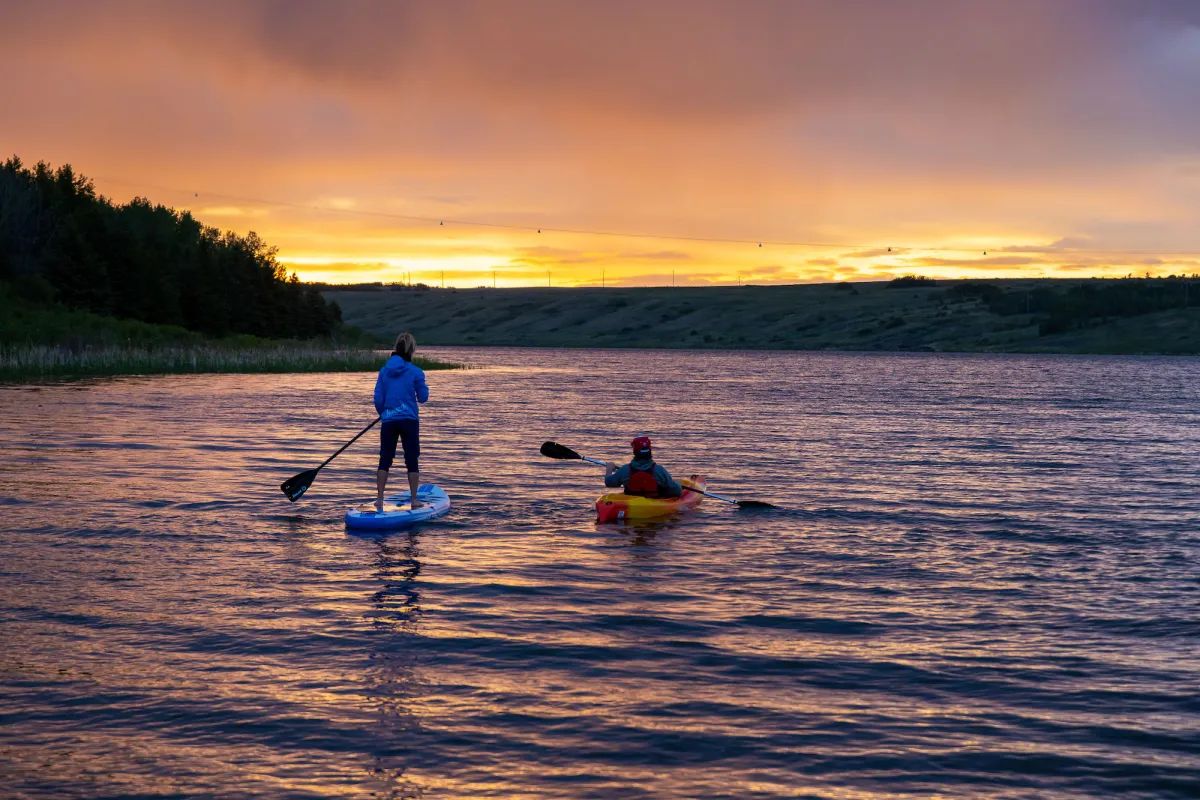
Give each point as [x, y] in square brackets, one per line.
[1062, 137]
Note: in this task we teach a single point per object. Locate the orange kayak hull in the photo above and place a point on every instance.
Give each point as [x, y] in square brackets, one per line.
[621, 507]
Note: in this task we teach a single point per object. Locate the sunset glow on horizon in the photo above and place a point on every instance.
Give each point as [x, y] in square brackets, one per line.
[431, 142]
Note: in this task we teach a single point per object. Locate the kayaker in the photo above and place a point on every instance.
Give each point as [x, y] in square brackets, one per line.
[642, 476]
[399, 391]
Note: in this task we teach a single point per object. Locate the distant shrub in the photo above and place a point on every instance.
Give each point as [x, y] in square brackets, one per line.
[909, 281]
[35, 288]
[1055, 323]
[1092, 302]
[974, 290]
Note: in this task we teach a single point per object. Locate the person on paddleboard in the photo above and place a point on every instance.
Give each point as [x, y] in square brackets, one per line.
[399, 391]
[642, 476]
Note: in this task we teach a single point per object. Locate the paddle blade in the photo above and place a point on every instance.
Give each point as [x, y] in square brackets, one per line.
[295, 486]
[748, 504]
[556, 450]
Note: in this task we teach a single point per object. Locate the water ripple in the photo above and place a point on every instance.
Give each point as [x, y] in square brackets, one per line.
[982, 582]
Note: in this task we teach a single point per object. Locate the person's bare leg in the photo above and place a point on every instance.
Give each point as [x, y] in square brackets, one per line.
[414, 480]
[381, 477]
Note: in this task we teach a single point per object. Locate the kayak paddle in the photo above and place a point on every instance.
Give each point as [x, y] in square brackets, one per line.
[556, 450]
[297, 485]
[738, 503]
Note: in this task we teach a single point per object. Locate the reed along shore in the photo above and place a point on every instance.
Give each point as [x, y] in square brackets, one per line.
[44, 340]
[34, 362]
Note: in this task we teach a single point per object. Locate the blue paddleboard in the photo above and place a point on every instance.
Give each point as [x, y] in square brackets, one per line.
[396, 512]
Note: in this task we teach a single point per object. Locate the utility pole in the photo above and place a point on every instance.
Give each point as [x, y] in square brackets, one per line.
[547, 279]
[493, 279]
[443, 279]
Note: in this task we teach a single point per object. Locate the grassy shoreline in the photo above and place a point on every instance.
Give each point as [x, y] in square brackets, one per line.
[40, 362]
[43, 340]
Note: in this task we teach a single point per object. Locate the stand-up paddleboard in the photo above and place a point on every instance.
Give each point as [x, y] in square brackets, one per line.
[396, 512]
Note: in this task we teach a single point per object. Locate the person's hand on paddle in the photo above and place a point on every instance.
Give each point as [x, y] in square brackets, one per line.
[609, 468]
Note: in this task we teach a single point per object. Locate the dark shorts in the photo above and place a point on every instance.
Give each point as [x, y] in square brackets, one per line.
[408, 431]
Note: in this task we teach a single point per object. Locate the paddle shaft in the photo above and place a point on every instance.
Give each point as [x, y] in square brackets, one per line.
[710, 494]
[347, 444]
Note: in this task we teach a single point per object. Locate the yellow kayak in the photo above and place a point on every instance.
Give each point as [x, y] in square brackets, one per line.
[619, 507]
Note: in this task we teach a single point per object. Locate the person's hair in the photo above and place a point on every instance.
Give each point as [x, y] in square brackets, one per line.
[405, 345]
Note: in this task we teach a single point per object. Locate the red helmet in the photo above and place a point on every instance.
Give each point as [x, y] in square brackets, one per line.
[641, 445]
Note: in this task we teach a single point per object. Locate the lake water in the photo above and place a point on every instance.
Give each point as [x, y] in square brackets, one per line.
[983, 583]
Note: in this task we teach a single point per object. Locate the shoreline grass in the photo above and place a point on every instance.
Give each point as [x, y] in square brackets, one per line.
[45, 341]
[25, 362]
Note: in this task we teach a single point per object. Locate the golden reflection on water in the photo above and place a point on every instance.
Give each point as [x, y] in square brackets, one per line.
[391, 683]
[969, 569]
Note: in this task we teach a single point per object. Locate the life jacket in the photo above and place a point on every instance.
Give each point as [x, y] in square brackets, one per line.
[642, 482]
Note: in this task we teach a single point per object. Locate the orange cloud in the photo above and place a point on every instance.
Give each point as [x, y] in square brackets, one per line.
[989, 262]
[686, 119]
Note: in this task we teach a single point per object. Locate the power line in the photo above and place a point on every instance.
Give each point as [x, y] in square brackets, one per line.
[898, 250]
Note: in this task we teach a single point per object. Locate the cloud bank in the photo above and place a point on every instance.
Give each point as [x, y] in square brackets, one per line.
[929, 123]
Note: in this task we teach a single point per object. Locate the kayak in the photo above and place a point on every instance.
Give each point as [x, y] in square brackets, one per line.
[621, 507]
[396, 512]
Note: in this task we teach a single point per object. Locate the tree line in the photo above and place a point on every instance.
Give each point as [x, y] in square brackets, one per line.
[61, 241]
[372, 286]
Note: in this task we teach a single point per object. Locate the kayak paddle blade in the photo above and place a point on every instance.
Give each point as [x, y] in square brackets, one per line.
[295, 486]
[556, 450]
[754, 504]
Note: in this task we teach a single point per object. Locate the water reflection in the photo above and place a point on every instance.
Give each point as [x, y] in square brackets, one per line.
[396, 605]
[641, 534]
[984, 579]
[392, 681]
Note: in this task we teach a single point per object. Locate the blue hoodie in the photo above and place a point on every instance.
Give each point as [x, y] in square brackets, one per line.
[399, 389]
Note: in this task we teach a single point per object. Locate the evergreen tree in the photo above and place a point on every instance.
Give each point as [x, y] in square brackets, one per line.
[147, 262]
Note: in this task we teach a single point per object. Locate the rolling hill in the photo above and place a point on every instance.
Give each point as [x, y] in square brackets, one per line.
[995, 316]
